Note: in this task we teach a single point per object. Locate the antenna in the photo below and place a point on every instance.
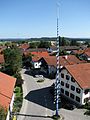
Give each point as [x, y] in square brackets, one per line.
[57, 82]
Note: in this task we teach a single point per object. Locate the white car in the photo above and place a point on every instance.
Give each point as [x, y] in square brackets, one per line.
[37, 76]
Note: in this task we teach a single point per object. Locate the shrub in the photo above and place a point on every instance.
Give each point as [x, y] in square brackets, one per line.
[3, 113]
[40, 80]
[18, 99]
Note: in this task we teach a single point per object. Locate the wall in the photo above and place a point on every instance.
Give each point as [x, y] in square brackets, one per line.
[65, 72]
[37, 65]
[11, 107]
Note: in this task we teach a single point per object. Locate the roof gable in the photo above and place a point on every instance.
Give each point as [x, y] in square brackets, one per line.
[81, 73]
[7, 84]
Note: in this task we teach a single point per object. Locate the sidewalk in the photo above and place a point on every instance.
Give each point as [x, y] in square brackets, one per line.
[24, 104]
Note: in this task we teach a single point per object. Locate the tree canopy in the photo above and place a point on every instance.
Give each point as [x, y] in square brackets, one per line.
[13, 60]
[44, 44]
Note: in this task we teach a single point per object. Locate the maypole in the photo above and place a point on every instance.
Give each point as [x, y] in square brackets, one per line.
[57, 82]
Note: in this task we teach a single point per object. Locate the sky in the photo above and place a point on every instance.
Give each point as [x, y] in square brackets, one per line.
[38, 18]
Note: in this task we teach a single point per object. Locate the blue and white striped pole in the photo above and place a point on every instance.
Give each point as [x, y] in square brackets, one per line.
[57, 84]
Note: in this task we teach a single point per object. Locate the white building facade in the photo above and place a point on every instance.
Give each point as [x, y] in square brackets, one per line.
[37, 64]
[72, 90]
[10, 107]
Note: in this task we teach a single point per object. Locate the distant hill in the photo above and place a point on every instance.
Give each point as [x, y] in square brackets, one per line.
[43, 39]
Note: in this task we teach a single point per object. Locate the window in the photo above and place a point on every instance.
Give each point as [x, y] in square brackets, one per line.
[62, 90]
[78, 90]
[67, 93]
[72, 95]
[86, 91]
[77, 99]
[62, 75]
[72, 79]
[67, 77]
[62, 83]
[67, 85]
[72, 87]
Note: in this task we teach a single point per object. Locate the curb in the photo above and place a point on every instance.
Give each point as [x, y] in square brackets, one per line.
[24, 103]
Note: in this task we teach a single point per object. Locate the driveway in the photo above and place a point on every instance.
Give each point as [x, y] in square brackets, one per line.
[38, 102]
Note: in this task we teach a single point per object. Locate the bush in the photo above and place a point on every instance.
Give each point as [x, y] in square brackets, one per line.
[87, 112]
[19, 80]
[3, 113]
[18, 99]
[87, 106]
[40, 80]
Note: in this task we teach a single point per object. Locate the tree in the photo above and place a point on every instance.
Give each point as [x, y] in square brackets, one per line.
[13, 60]
[27, 60]
[73, 43]
[44, 44]
[63, 41]
[34, 44]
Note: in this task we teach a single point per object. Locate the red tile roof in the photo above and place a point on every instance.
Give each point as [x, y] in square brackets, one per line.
[72, 59]
[38, 55]
[63, 60]
[1, 58]
[24, 46]
[87, 53]
[78, 52]
[87, 49]
[81, 73]
[50, 60]
[7, 84]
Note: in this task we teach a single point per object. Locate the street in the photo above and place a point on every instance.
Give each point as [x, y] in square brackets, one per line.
[38, 102]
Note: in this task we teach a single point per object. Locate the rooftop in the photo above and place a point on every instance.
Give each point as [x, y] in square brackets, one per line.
[63, 60]
[7, 84]
[81, 73]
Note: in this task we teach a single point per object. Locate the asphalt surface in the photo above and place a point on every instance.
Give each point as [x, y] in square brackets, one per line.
[38, 102]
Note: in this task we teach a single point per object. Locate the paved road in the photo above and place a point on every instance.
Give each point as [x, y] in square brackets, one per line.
[38, 104]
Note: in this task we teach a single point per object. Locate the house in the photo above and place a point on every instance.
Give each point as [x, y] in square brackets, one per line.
[86, 55]
[7, 84]
[24, 46]
[75, 82]
[36, 63]
[52, 49]
[68, 49]
[37, 55]
[63, 61]
[77, 52]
